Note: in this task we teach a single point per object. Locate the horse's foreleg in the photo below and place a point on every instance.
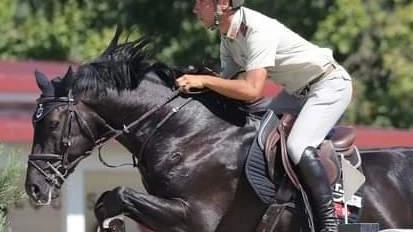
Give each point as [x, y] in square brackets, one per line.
[156, 213]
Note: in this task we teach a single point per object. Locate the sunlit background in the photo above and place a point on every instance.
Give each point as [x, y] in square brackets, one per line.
[373, 39]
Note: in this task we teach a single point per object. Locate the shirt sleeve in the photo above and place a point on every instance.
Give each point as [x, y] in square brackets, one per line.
[228, 65]
[261, 48]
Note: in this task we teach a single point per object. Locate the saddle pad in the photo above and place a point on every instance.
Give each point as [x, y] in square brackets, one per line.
[353, 206]
[256, 172]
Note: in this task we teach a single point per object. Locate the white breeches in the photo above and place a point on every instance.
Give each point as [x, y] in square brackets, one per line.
[317, 112]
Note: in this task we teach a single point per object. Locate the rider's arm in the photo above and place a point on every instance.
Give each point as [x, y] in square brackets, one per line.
[260, 49]
[249, 88]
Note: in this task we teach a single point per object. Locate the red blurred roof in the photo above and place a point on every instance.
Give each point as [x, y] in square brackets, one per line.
[20, 130]
[16, 79]
[19, 76]
[13, 130]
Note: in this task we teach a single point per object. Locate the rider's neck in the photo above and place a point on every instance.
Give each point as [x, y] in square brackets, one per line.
[225, 23]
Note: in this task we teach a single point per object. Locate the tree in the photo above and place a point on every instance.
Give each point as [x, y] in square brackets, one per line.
[374, 39]
[58, 30]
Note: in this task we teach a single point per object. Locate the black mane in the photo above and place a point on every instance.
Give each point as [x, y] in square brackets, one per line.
[121, 67]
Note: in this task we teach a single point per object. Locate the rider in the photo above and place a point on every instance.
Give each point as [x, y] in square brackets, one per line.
[316, 89]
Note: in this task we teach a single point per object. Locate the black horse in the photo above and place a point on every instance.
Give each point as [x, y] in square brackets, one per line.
[189, 149]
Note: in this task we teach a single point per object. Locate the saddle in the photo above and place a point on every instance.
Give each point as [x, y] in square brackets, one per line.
[339, 142]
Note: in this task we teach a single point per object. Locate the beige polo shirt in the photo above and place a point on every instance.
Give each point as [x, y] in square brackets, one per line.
[256, 41]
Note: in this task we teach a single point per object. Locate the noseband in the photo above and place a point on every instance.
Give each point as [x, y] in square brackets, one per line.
[60, 164]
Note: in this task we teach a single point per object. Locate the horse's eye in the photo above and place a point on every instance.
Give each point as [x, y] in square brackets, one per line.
[53, 125]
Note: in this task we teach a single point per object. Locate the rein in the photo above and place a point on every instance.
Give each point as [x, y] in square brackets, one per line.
[126, 129]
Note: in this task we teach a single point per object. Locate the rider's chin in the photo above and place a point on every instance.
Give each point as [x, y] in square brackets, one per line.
[205, 22]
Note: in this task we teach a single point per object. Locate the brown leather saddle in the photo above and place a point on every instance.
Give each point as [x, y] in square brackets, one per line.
[340, 142]
[272, 138]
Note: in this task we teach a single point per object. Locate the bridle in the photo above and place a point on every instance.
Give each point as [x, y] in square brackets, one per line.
[59, 164]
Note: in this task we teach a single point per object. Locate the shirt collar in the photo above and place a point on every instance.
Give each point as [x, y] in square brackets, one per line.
[235, 24]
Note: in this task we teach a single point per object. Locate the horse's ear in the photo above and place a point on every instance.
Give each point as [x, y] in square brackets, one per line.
[69, 73]
[44, 84]
[68, 78]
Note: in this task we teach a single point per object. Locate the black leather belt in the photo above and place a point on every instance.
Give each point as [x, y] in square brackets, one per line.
[329, 69]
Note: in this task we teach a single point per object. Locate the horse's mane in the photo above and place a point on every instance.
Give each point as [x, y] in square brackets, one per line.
[123, 66]
[119, 68]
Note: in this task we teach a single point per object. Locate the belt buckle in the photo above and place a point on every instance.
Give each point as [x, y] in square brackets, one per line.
[303, 91]
[306, 89]
[330, 68]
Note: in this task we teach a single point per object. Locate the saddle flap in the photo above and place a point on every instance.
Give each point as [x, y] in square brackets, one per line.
[287, 121]
[268, 123]
[328, 158]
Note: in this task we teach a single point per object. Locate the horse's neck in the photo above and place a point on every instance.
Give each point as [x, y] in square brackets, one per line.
[194, 118]
[120, 110]
[126, 106]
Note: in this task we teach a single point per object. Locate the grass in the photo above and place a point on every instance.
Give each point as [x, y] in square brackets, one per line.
[10, 176]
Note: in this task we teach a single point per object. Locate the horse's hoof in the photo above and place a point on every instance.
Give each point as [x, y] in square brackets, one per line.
[117, 225]
[114, 224]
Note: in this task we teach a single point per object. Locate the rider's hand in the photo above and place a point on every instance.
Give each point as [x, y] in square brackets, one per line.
[189, 82]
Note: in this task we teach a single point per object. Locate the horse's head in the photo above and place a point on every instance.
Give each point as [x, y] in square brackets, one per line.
[64, 134]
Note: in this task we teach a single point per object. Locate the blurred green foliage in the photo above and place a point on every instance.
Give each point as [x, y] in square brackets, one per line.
[373, 39]
[10, 177]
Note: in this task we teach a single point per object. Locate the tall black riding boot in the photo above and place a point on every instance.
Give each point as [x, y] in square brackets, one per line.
[316, 185]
